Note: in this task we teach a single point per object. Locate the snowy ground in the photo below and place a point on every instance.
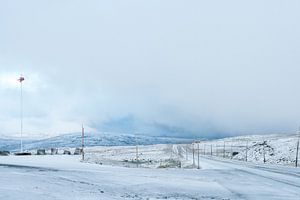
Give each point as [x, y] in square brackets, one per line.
[65, 177]
[149, 156]
[275, 149]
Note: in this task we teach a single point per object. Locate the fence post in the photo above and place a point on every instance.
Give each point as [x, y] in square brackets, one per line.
[297, 150]
[264, 154]
[82, 142]
[186, 152]
[137, 155]
[231, 152]
[198, 155]
[193, 154]
[246, 151]
[224, 150]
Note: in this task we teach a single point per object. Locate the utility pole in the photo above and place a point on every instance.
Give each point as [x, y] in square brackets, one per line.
[231, 152]
[246, 151]
[204, 149]
[198, 155]
[137, 155]
[297, 151]
[21, 79]
[82, 142]
[264, 152]
[224, 150]
[193, 154]
[211, 151]
[186, 152]
[137, 152]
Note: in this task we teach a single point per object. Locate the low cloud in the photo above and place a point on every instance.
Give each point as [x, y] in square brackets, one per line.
[167, 68]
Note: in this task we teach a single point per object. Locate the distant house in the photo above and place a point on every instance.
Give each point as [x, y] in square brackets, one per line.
[41, 152]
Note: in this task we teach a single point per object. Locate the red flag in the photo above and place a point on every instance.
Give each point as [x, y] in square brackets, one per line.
[21, 79]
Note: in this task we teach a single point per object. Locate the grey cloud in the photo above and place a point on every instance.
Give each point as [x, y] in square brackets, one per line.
[203, 68]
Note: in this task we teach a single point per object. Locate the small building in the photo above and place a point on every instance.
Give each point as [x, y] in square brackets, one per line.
[78, 151]
[4, 153]
[67, 152]
[41, 152]
[54, 151]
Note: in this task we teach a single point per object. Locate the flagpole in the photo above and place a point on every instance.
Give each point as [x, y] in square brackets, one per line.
[21, 79]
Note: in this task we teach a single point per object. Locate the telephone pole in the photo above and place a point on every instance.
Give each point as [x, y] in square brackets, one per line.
[193, 154]
[82, 142]
[137, 151]
[246, 156]
[224, 150]
[21, 79]
[198, 155]
[186, 152]
[297, 150]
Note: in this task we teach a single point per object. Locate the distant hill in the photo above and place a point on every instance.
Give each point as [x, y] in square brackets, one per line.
[95, 139]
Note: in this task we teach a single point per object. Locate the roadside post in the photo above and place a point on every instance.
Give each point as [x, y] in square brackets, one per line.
[246, 156]
[137, 151]
[264, 152]
[224, 150]
[231, 151]
[297, 149]
[186, 152]
[193, 153]
[198, 155]
[82, 142]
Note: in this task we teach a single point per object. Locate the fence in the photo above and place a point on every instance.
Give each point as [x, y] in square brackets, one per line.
[149, 156]
[258, 149]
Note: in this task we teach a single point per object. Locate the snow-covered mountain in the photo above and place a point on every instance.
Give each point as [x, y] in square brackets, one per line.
[95, 139]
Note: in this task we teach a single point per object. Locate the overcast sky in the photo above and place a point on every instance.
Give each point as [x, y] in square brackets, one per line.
[184, 68]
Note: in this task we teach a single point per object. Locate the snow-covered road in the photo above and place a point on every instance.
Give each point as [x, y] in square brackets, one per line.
[64, 177]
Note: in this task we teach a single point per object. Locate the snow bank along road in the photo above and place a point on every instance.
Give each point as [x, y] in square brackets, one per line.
[65, 177]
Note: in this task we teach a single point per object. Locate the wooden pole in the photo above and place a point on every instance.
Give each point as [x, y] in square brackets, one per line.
[82, 142]
[231, 152]
[224, 150]
[137, 155]
[246, 156]
[297, 152]
[193, 154]
[264, 154]
[186, 152]
[137, 152]
[297, 148]
[198, 156]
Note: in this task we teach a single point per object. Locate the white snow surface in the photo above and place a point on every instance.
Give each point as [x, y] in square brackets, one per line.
[275, 149]
[65, 177]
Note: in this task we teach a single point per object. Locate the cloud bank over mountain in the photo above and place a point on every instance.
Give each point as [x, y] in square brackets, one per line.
[159, 67]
